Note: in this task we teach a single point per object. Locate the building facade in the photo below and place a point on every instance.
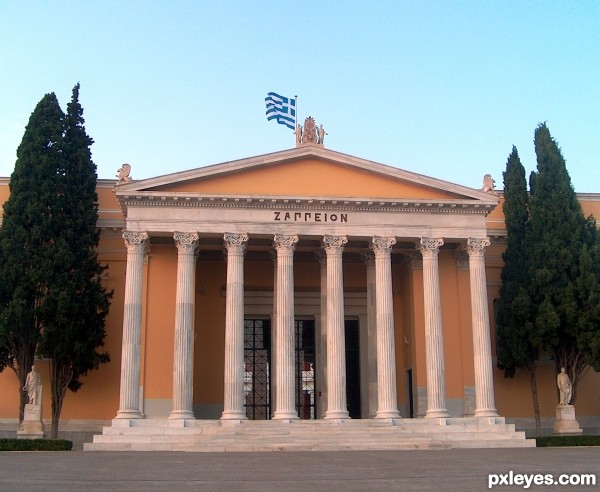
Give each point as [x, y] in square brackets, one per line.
[303, 284]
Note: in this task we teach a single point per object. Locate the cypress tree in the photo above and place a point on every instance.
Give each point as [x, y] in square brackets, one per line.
[76, 303]
[588, 293]
[516, 341]
[557, 236]
[27, 237]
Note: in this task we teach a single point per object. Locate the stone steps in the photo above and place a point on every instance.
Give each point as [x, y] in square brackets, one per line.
[321, 435]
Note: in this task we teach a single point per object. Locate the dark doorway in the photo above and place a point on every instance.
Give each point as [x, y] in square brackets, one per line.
[257, 361]
[305, 369]
[352, 368]
[409, 386]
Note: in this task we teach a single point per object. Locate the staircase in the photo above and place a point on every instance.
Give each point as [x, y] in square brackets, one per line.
[307, 435]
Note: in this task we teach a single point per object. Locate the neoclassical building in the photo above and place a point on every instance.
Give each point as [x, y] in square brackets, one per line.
[305, 284]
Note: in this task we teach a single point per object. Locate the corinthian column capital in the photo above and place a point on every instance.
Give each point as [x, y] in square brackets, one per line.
[136, 240]
[334, 244]
[285, 244]
[186, 242]
[476, 247]
[382, 246]
[235, 243]
[429, 246]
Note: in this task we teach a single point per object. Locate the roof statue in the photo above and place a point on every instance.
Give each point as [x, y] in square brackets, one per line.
[488, 183]
[123, 174]
[310, 134]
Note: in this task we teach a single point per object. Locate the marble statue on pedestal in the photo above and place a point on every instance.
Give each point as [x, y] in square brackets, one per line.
[32, 426]
[564, 387]
[33, 386]
[565, 423]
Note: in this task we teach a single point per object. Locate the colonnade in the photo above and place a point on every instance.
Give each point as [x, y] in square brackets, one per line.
[379, 279]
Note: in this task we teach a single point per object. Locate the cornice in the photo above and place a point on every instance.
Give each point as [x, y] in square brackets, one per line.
[157, 199]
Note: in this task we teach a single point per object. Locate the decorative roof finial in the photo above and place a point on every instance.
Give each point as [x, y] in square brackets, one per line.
[123, 174]
[488, 183]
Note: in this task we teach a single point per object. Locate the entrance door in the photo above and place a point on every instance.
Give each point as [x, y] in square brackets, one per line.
[352, 368]
[257, 376]
[305, 369]
[257, 361]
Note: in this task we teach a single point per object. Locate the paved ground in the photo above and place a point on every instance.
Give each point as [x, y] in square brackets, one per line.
[453, 470]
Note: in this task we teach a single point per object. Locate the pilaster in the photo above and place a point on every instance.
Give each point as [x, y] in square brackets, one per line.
[369, 261]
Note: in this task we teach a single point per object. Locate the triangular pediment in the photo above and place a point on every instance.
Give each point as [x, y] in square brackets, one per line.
[305, 172]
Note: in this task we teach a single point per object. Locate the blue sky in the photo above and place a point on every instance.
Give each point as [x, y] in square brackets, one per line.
[441, 88]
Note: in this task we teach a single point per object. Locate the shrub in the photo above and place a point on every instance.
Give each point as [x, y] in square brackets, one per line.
[35, 445]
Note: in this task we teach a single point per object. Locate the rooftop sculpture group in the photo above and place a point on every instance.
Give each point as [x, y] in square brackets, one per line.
[310, 134]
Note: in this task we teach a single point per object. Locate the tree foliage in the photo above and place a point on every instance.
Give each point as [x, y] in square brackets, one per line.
[76, 304]
[559, 239]
[29, 226]
[516, 347]
[514, 329]
[550, 294]
[70, 304]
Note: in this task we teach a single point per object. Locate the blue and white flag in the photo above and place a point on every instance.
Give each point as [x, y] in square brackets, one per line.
[283, 109]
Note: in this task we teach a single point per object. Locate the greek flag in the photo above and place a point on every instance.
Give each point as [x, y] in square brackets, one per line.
[282, 109]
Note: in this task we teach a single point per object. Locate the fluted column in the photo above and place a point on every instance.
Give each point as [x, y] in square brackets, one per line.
[369, 261]
[337, 407]
[434, 342]
[387, 400]
[137, 244]
[183, 356]
[285, 400]
[482, 349]
[233, 404]
[322, 339]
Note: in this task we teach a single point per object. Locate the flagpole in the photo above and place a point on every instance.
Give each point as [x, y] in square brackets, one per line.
[296, 115]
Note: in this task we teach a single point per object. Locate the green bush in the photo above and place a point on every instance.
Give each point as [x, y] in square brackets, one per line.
[557, 441]
[35, 445]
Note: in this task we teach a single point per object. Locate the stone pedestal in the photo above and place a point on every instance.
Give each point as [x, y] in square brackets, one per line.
[565, 421]
[32, 426]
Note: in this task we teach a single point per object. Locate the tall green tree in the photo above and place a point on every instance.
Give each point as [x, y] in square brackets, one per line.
[27, 238]
[558, 238]
[76, 304]
[588, 293]
[517, 346]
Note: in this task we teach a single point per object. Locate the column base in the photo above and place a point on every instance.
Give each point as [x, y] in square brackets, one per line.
[182, 415]
[336, 414]
[388, 414]
[285, 415]
[437, 414]
[486, 412]
[129, 414]
[234, 416]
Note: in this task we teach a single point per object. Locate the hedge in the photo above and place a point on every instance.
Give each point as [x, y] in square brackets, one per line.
[558, 441]
[35, 445]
